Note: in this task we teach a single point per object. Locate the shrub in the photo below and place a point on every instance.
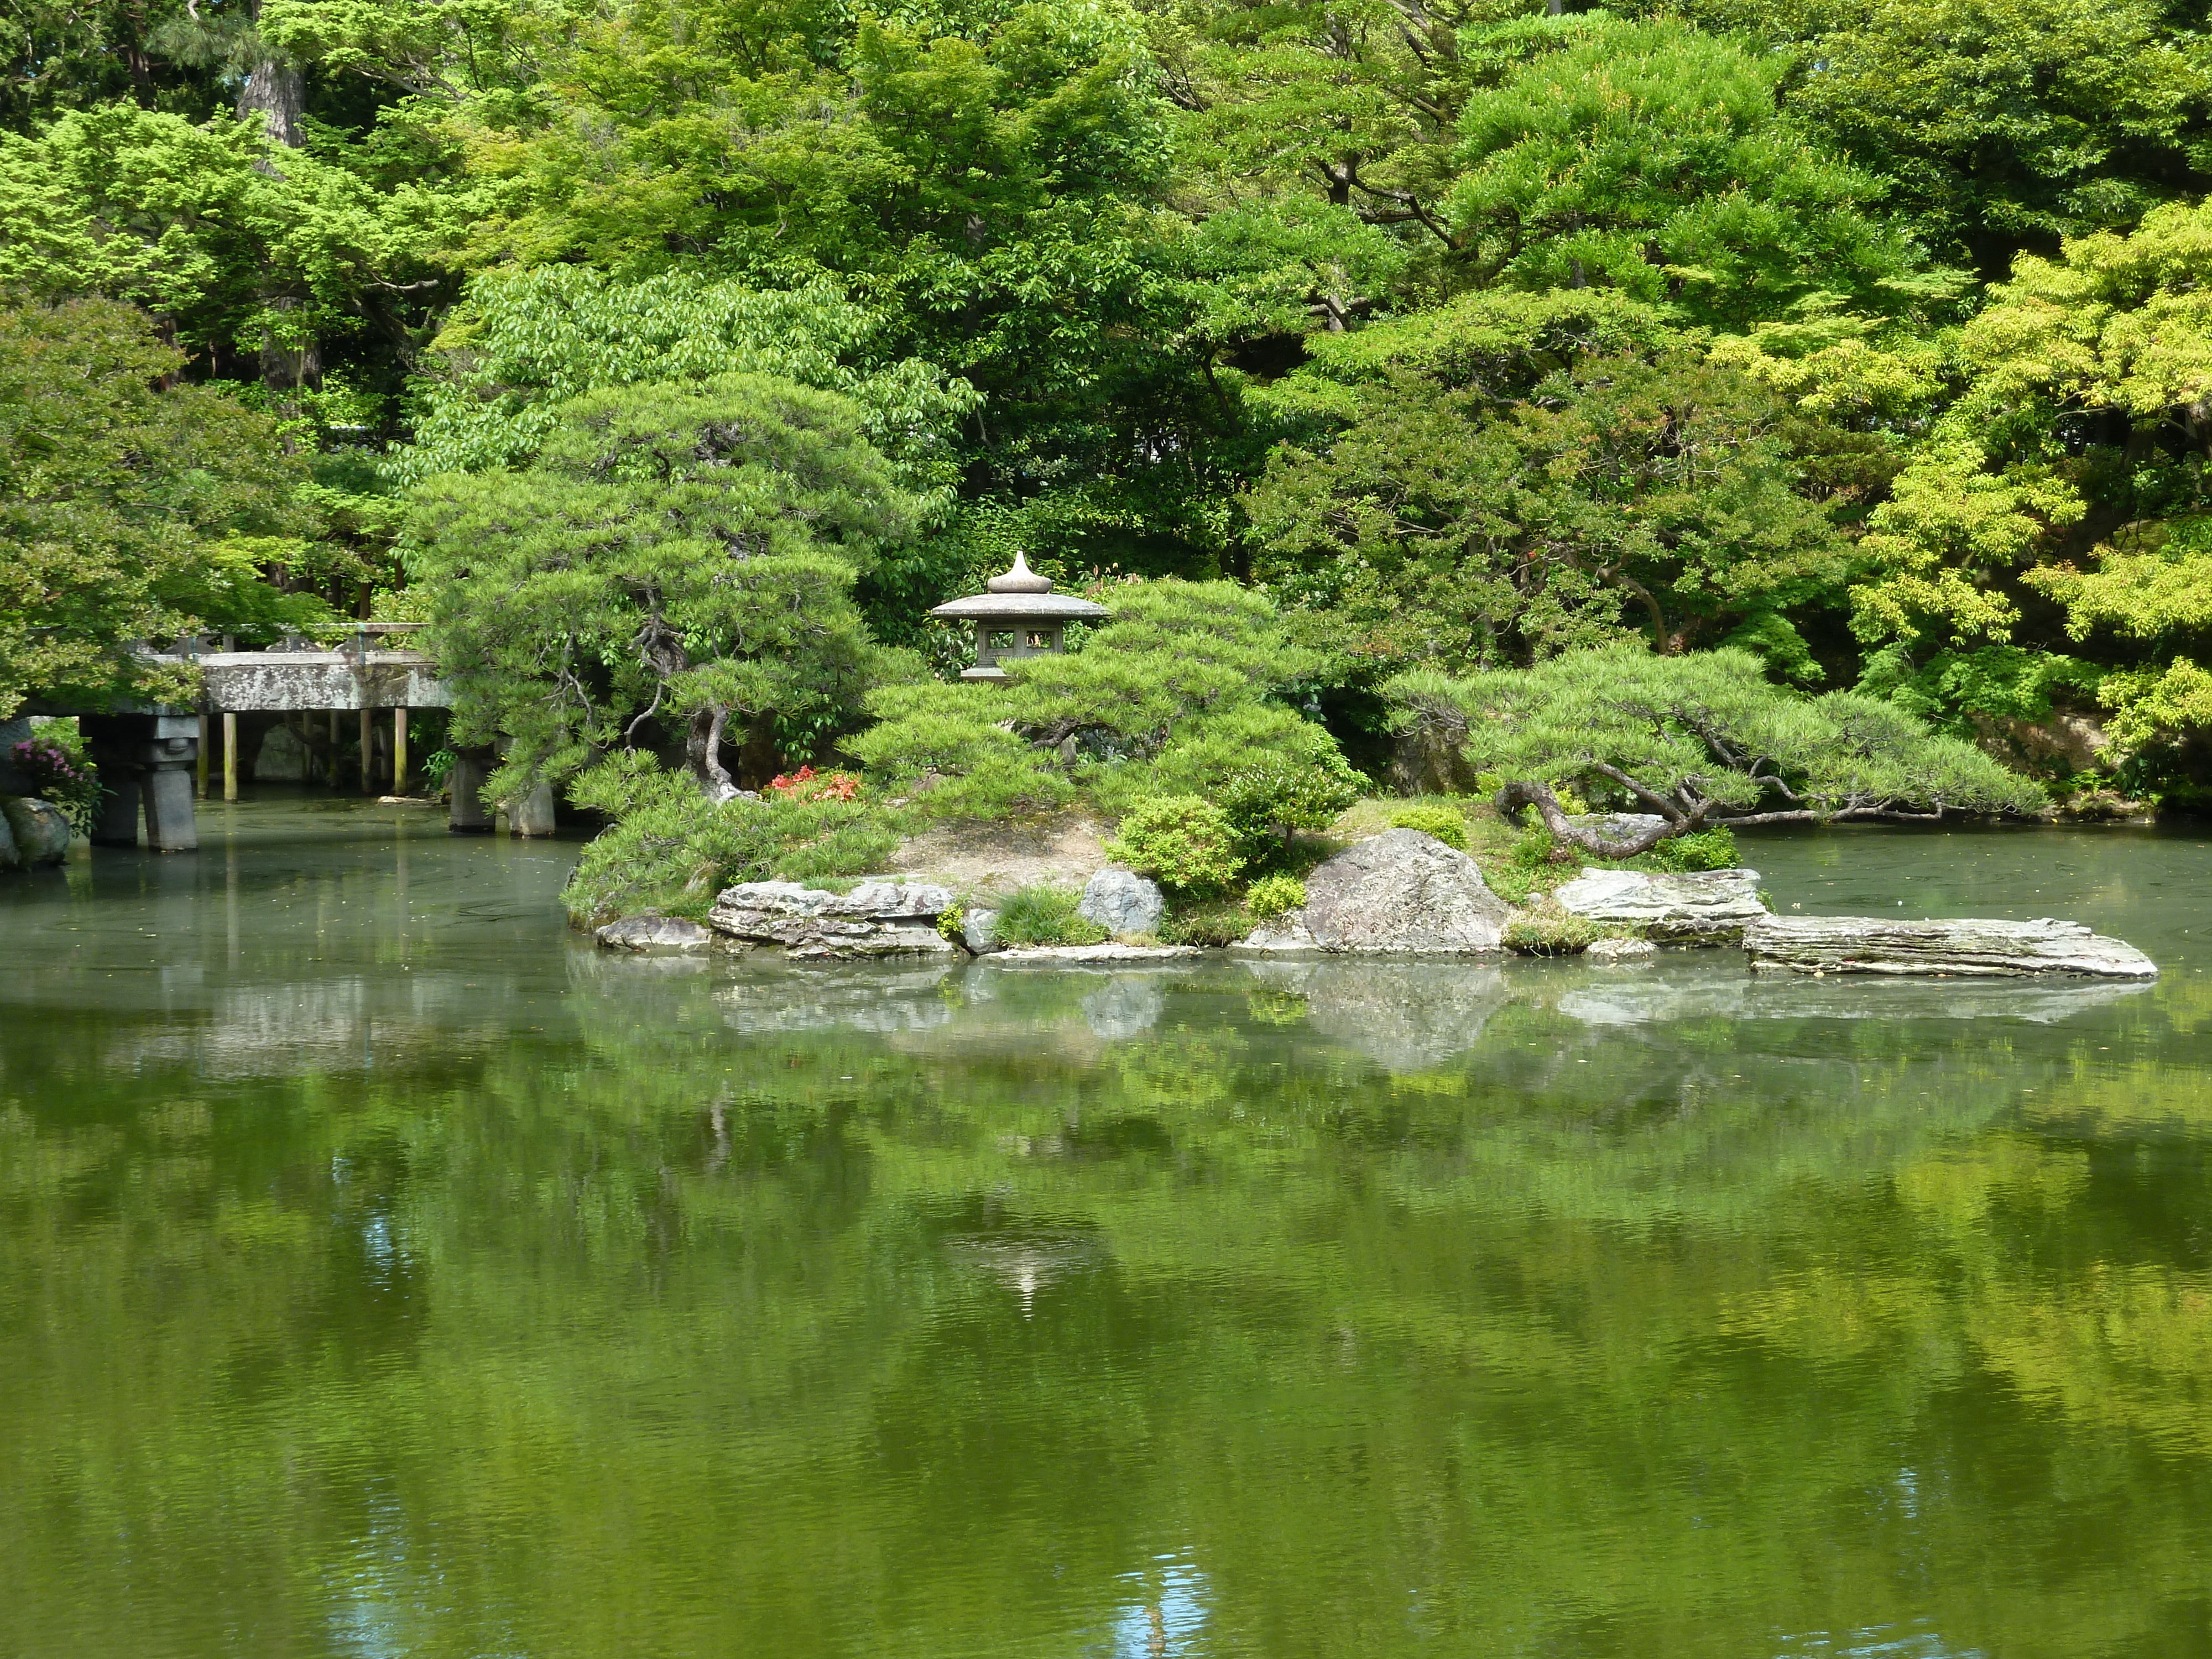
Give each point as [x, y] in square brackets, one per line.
[55, 762]
[1709, 849]
[1274, 895]
[1211, 926]
[1268, 802]
[1183, 841]
[807, 784]
[1438, 819]
[672, 849]
[1046, 915]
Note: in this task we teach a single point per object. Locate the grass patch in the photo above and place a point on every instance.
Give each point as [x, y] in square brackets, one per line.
[1046, 915]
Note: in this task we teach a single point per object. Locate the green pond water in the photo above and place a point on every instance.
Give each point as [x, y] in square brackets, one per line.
[384, 1272]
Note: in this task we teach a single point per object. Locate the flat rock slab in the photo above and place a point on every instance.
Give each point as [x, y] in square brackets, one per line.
[1401, 893]
[877, 917]
[651, 934]
[1967, 947]
[1059, 956]
[1706, 907]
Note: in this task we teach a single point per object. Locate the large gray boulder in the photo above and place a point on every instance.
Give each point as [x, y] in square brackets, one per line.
[653, 934]
[1704, 906]
[879, 917]
[9, 859]
[37, 827]
[1875, 944]
[1121, 902]
[1401, 893]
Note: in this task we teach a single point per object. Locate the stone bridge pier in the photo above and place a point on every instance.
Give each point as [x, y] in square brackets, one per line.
[146, 762]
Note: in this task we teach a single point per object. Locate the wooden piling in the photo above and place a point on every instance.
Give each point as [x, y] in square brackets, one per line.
[399, 751]
[229, 756]
[200, 761]
[368, 751]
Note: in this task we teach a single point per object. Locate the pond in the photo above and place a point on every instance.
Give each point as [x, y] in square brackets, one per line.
[383, 1271]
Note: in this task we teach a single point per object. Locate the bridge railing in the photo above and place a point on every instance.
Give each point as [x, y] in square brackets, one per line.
[342, 637]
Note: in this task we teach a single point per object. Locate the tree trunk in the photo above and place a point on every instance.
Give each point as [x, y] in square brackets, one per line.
[277, 92]
[1522, 793]
[702, 748]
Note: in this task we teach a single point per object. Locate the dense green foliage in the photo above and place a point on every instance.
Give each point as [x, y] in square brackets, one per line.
[673, 555]
[1870, 339]
[1698, 742]
[129, 510]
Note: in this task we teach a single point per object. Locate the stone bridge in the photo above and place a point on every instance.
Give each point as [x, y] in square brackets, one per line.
[153, 759]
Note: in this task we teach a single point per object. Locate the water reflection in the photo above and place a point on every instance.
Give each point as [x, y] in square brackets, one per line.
[386, 1283]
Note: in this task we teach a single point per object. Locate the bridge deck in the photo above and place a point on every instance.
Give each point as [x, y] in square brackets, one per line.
[243, 682]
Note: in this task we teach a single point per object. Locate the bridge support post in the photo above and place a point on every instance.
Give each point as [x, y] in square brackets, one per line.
[150, 758]
[470, 814]
[169, 825]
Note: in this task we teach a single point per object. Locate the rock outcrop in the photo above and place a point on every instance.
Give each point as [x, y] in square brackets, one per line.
[1402, 893]
[1704, 906]
[651, 933]
[978, 931]
[1967, 947]
[1122, 901]
[37, 827]
[875, 918]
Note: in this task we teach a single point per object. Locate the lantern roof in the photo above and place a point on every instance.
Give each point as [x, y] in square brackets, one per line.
[1020, 595]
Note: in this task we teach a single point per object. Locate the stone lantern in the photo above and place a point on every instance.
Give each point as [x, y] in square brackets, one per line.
[1019, 616]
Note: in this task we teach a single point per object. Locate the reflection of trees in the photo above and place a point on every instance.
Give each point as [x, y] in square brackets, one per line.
[661, 1329]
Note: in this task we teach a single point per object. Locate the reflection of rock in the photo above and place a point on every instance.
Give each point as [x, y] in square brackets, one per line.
[1982, 947]
[1606, 953]
[1408, 1015]
[1710, 991]
[1402, 893]
[1121, 902]
[1125, 1006]
[1026, 1262]
[653, 934]
[824, 998]
[1077, 956]
[875, 918]
[39, 831]
[1709, 906]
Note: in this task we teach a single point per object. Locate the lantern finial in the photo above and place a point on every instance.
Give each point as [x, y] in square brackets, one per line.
[1020, 579]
